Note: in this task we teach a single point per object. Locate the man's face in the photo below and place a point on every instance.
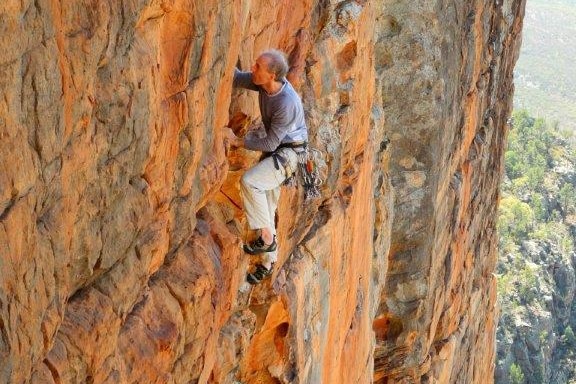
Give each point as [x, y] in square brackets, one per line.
[260, 73]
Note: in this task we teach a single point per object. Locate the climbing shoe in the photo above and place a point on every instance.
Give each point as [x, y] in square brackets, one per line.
[258, 246]
[259, 274]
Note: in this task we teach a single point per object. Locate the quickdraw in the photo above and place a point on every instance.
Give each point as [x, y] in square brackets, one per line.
[308, 172]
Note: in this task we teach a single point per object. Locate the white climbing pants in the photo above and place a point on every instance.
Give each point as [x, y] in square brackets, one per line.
[260, 190]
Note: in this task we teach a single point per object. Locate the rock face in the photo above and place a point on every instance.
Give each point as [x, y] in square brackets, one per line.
[446, 87]
[119, 220]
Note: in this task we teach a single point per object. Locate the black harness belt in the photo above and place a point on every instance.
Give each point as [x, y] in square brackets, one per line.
[280, 160]
[294, 144]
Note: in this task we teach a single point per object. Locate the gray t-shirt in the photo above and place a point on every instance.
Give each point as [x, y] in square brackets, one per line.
[282, 115]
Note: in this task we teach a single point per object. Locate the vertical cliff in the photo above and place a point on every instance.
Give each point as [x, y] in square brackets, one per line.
[447, 88]
[120, 226]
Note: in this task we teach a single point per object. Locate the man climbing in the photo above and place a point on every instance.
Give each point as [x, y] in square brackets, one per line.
[285, 135]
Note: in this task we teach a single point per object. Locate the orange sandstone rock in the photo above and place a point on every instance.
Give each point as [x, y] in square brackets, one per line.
[121, 222]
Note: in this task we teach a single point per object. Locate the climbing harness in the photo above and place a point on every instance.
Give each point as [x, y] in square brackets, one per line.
[307, 171]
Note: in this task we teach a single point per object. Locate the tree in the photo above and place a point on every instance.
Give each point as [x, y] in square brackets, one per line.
[569, 336]
[567, 197]
[516, 217]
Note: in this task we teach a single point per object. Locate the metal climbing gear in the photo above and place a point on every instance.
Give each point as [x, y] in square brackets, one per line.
[308, 172]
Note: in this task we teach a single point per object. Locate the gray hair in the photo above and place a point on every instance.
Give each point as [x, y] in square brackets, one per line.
[277, 63]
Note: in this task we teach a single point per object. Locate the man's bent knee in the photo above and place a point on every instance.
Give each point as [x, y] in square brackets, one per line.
[252, 180]
[246, 181]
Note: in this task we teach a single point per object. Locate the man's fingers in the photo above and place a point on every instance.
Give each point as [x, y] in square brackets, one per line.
[228, 133]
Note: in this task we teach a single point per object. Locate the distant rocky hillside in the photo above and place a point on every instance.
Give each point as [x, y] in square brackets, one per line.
[536, 269]
[545, 76]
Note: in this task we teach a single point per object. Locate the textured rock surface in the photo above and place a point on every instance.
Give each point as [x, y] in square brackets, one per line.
[446, 83]
[119, 220]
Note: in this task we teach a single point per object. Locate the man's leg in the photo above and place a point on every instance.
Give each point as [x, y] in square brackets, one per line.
[257, 188]
[272, 197]
[260, 190]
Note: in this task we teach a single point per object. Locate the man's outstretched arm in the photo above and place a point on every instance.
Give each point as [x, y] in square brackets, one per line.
[244, 80]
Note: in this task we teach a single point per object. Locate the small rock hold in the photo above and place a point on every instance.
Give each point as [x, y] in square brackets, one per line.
[389, 27]
[348, 13]
[139, 183]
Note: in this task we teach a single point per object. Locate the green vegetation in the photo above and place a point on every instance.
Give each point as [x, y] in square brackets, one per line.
[569, 337]
[536, 341]
[537, 210]
[516, 374]
[535, 148]
[516, 217]
[543, 337]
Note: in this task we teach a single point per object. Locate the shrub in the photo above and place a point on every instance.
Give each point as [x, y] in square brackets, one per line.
[516, 374]
[569, 336]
